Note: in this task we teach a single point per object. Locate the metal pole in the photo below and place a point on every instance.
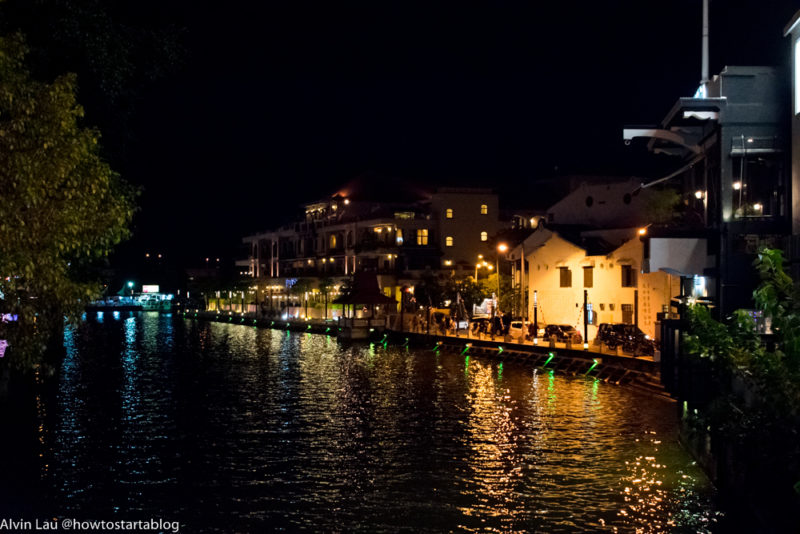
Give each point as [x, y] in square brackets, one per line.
[585, 318]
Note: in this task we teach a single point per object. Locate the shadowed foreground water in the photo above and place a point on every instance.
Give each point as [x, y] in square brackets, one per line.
[230, 428]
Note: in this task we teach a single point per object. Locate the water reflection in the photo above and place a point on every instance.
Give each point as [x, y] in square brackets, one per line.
[228, 427]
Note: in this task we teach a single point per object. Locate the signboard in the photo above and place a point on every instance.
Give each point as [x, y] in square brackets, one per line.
[150, 289]
[3, 346]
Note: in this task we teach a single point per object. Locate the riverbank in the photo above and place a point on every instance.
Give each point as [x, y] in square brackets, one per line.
[640, 373]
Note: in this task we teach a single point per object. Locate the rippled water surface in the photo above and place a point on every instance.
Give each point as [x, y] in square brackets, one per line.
[231, 428]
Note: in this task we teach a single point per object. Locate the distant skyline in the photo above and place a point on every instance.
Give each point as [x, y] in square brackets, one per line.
[281, 103]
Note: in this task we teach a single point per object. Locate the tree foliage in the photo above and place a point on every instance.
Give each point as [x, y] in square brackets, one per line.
[62, 208]
[757, 381]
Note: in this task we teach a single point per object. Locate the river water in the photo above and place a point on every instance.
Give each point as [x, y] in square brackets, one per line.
[230, 428]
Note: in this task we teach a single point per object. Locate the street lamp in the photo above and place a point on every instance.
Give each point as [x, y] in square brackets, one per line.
[480, 258]
[130, 286]
[501, 248]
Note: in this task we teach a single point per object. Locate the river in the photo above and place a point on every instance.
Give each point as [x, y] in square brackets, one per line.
[231, 428]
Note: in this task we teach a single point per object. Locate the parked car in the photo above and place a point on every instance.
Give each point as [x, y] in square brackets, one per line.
[518, 329]
[563, 333]
[627, 336]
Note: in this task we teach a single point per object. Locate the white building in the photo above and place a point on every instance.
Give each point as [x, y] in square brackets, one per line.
[606, 264]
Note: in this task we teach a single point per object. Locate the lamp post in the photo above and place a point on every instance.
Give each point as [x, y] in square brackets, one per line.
[501, 249]
[480, 258]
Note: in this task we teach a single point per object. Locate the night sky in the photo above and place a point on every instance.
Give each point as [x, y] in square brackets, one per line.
[278, 103]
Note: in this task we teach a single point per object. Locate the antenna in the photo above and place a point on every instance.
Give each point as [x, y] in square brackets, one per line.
[704, 73]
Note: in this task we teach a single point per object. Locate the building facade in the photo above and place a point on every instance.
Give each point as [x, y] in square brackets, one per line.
[729, 142]
[606, 265]
[356, 231]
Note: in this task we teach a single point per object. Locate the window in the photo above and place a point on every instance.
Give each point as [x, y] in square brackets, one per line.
[627, 313]
[484, 236]
[756, 184]
[399, 236]
[566, 276]
[448, 213]
[628, 276]
[422, 236]
[484, 209]
[448, 241]
[333, 240]
[588, 277]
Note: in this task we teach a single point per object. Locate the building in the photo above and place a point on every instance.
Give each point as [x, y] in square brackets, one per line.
[792, 31]
[564, 262]
[372, 224]
[729, 143]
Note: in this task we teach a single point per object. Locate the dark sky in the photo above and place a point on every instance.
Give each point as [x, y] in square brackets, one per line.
[280, 102]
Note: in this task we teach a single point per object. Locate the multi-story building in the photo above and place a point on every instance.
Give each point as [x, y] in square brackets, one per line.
[730, 141]
[396, 234]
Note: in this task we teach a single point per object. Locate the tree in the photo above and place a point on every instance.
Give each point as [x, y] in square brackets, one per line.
[62, 208]
[471, 293]
[325, 284]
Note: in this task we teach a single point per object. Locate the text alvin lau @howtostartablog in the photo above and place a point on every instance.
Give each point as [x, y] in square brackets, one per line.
[75, 525]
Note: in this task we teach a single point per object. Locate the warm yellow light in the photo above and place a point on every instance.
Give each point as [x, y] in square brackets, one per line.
[502, 247]
[448, 262]
[346, 201]
[379, 230]
[757, 207]
[642, 231]
[480, 256]
[490, 267]
[698, 194]
[737, 186]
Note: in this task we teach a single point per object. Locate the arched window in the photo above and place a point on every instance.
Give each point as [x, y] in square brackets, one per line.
[333, 240]
[484, 236]
[448, 241]
[484, 209]
[448, 213]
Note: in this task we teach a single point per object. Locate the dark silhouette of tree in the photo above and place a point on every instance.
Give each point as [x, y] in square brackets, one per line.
[62, 208]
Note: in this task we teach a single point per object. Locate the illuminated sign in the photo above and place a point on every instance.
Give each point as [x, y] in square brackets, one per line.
[3, 346]
[150, 289]
[8, 317]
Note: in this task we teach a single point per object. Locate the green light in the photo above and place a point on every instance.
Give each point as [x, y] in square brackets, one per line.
[272, 323]
[327, 329]
[592, 367]
[499, 349]
[255, 321]
[466, 348]
[309, 327]
[385, 344]
[287, 325]
[130, 284]
[500, 371]
[466, 365]
[552, 355]
[384, 337]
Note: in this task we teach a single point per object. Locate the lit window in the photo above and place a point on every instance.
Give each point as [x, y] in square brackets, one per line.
[484, 209]
[333, 240]
[449, 213]
[484, 236]
[399, 236]
[422, 236]
[448, 241]
[565, 276]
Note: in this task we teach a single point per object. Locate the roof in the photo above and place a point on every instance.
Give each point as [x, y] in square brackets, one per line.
[371, 186]
[365, 291]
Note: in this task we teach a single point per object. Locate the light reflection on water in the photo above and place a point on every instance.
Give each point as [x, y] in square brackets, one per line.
[229, 427]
